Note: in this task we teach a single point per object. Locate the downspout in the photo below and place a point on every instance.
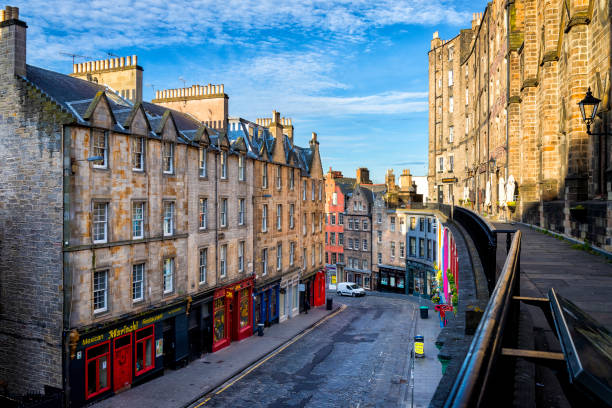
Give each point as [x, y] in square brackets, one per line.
[488, 11]
[67, 277]
[217, 221]
[510, 2]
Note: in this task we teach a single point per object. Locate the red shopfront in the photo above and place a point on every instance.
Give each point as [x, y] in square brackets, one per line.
[317, 297]
[233, 314]
[106, 361]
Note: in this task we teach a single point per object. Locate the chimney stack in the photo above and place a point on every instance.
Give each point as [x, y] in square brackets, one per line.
[12, 42]
[363, 176]
[435, 41]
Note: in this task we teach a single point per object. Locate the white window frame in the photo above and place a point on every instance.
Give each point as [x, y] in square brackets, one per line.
[291, 179]
[279, 217]
[304, 258]
[241, 211]
[241, 168]
[304, 188]
[203, 213]
[223, 165]
[312, 222]
[392, 249]
[203, 267]
[451, 163]
[365, 244]
[223, 213]
[291, 216]
[450, 78]
[138, 221]
[312, 190]
[168, 157]
[402, 250]
[138, 156]
[312, 256]
[451, 104]
[97, 288]
[264, 261]
[279, 256]
[264, 218]
[379, 236]
[380, 258]
[392, 221]
[241, 256]
[279, 177]
[223, 261]
[440, 164]
[168, 275]
[168, 221]
[100, 150]
[291, 253]
[451, 134]
[98, 221]
[320, 191]
[138, 277]
[202, 162]
[264, 175]
[304, 221]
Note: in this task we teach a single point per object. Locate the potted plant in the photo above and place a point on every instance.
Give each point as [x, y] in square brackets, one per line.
[511, 205]
[435, 299]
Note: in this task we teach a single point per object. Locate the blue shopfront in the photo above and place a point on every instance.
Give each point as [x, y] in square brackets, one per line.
[265, 305]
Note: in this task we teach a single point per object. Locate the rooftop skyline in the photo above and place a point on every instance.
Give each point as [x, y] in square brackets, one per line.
[355, 73]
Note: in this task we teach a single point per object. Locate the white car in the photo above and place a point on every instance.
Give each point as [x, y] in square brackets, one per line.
[350, 289]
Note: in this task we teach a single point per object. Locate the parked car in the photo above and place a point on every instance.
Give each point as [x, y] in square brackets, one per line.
[349, 289]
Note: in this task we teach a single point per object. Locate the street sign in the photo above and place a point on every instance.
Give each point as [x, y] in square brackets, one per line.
[450, 180]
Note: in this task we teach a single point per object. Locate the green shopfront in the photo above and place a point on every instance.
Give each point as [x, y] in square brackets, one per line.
[104, 361]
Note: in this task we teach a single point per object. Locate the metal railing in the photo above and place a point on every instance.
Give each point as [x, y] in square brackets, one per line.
[485, 239]
[485, 379]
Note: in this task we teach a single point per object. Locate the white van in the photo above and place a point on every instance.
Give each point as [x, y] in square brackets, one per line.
[350, 289]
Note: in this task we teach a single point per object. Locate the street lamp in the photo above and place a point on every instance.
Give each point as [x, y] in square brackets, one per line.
[588, 109]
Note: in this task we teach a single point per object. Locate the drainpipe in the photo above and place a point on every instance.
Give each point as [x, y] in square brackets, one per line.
[67, 277]
[510, 2]
[217, 220]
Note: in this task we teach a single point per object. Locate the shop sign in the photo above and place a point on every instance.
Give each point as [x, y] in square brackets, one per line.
[132, 326]
[333, 279]
[302, 287]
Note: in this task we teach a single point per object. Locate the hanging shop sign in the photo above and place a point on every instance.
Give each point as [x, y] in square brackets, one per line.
[448, 180]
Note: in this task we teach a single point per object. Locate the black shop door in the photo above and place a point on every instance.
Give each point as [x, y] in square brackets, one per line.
[169, 343]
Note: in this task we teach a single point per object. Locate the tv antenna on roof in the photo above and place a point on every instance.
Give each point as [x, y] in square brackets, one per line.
[110, 54]
[76, 56]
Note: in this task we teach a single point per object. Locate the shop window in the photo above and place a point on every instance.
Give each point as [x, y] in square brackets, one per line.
[244, 308]
[219, 330]
[145, 357]
[97, 372]
[384, 280]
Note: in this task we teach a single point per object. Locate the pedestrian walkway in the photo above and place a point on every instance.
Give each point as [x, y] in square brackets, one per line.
[181, 387]
[548, 262]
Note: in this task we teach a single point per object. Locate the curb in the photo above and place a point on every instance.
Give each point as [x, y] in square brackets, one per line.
[241, 372]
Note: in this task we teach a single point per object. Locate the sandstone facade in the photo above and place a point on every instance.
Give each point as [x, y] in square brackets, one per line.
[519, 73]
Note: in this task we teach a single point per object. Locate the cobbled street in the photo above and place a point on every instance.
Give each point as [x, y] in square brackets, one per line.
[361, 357]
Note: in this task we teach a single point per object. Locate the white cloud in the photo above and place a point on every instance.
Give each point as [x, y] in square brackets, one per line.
[92, 27]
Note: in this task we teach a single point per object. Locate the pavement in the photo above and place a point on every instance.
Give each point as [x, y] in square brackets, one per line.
[356, 355]
[582, 277]
[548, 262]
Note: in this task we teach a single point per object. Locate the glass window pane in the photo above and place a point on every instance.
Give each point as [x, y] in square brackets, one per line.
[103, 372]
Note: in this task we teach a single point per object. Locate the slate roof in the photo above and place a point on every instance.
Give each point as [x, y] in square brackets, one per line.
[78, 97]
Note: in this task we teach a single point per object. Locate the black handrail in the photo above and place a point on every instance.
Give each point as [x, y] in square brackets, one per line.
[485, 240]
[481, 376]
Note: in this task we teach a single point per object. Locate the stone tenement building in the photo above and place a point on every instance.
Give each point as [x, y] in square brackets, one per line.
[503, 104]
[139, 223]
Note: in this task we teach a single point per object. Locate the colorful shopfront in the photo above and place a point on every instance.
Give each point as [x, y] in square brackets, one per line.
[266, 304]
[232, 313]
[108, 360]
[317, 293]
[391, 279]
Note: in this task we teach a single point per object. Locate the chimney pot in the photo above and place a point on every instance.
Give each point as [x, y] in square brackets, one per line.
[222, 88]
[122, 62]
[128, 61]
[134, 60]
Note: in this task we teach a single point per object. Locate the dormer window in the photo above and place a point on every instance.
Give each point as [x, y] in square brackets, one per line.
[168, 157]
[100, 148]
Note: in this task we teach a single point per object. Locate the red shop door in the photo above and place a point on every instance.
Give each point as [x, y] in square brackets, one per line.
[122, 360]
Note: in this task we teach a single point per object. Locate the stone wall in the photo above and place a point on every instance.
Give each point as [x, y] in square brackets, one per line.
[31, 224]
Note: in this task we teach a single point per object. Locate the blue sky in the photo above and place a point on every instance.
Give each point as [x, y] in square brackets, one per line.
[355, 72]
